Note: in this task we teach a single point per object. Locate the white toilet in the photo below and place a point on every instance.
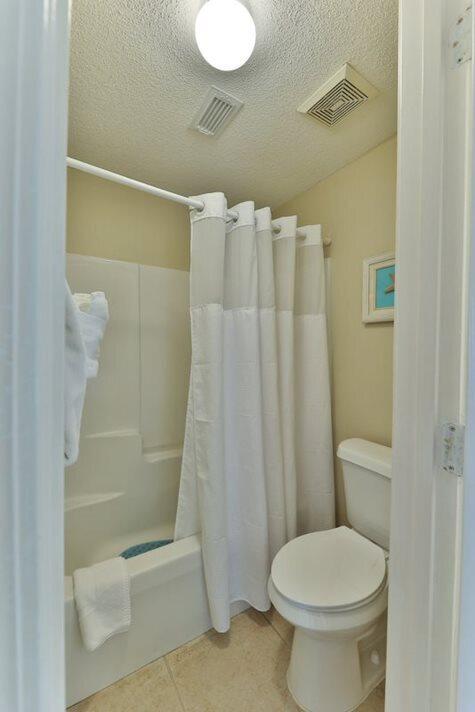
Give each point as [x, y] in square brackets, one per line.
[333, 587]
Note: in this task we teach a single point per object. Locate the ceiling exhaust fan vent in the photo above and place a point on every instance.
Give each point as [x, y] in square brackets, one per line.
[338, 97]
[216, 111]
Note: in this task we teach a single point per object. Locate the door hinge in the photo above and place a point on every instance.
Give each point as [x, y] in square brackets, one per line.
[452, 450]
[461, 38]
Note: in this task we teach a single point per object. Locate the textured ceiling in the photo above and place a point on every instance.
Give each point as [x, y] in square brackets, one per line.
[137, 80]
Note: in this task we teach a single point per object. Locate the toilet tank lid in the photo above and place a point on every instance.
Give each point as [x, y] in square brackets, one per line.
[372, 456]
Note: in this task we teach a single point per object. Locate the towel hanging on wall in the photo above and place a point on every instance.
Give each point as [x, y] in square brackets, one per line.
[84, 329]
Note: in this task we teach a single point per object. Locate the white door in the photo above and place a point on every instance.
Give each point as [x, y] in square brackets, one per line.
[430, 356]
[33, 105]
[466, 687]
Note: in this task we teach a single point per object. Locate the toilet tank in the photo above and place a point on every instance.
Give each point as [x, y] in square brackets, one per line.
[367, 481]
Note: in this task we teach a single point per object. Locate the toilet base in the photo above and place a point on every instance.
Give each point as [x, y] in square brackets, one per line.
[329, 673]
[353, 709]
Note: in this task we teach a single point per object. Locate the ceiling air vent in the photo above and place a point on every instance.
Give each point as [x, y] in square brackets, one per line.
[340, 95]
[216, 111]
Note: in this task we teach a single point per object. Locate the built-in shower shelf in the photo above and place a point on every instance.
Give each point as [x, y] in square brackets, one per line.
[88, 500]
[160, 454]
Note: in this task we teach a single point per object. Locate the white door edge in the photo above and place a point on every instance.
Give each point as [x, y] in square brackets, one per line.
[33, 116]
[430, 356]
[466, 642]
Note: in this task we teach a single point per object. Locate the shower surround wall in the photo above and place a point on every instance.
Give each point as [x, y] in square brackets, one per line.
[123, 489]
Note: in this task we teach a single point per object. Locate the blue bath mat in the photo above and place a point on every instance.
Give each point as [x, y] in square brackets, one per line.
[142, 548]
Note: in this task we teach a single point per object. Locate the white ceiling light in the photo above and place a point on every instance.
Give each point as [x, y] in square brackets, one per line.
[225, 33]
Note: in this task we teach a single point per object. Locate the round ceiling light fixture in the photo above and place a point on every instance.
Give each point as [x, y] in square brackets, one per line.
[225, 33]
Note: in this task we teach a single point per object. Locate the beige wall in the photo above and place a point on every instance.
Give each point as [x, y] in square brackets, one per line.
[105, 219]
[356, 207]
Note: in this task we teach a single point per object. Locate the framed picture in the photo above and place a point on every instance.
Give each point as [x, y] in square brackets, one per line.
[379, 287]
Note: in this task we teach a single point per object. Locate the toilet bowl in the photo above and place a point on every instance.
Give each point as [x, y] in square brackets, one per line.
[333, 587]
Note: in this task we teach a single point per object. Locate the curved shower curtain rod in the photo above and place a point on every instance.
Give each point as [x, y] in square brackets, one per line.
[159, 192]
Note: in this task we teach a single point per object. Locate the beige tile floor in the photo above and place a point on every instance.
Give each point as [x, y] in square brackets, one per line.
[242, 671]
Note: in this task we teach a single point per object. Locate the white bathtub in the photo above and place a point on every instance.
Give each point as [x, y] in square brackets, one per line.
[118, 497]
[169, 608]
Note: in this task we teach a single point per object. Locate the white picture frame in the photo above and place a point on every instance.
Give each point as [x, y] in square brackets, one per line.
[371, 311]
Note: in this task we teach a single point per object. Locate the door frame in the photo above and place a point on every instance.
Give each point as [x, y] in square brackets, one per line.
[466, 650]
[433, 237]
[34, 63]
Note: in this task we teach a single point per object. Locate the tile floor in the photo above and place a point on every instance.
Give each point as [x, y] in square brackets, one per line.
[243, 671]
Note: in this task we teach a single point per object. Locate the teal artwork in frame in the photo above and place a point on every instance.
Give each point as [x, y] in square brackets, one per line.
[385, 287]
[379, 288]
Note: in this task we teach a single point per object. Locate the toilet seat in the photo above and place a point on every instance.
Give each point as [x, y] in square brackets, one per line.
[334, 570]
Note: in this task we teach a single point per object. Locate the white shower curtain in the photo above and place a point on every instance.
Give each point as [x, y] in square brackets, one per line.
[257, 459]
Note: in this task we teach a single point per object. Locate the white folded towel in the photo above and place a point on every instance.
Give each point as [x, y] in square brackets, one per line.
[75, 378]
[93, 318]
[102, 595]
[82, 301]
[86, 319]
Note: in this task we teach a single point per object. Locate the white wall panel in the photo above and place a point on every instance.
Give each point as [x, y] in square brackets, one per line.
[165, 355]
[124, 487]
